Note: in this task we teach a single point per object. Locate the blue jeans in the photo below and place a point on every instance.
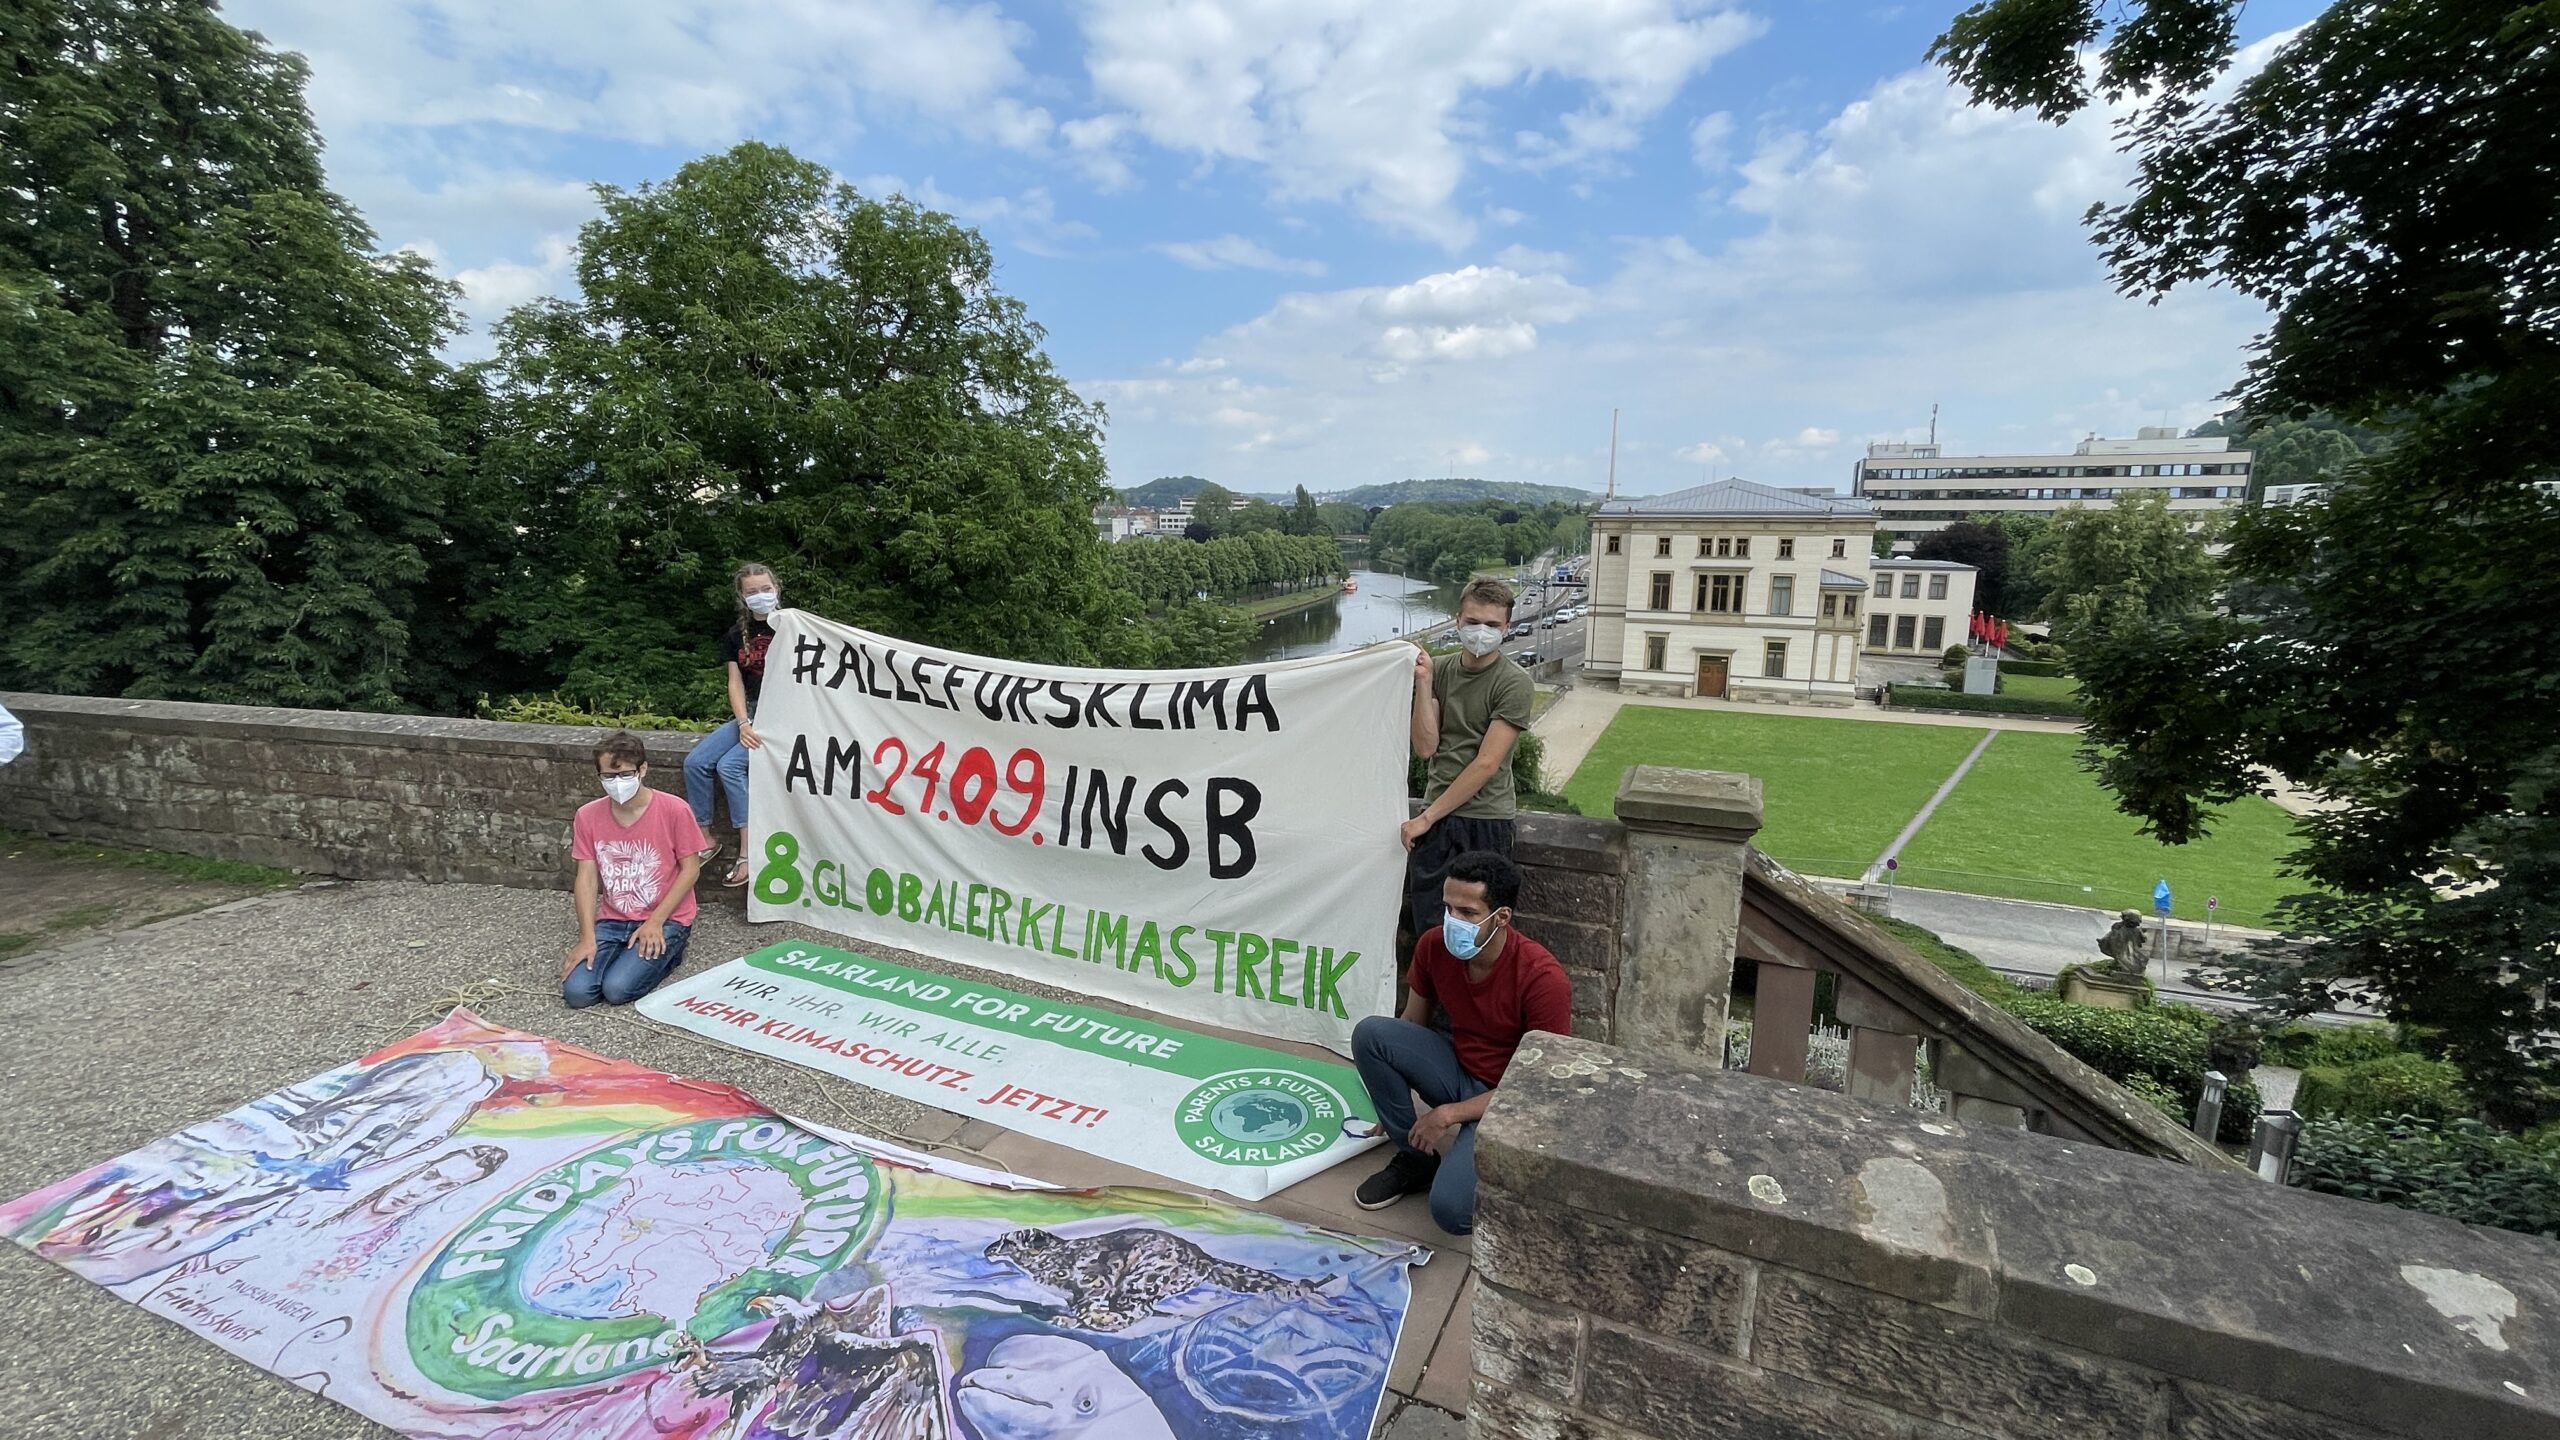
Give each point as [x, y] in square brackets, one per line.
[717, 762]
[620, 974]
[1399, 1059]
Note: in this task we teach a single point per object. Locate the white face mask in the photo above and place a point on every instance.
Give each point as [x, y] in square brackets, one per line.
[1479, 640]
[622, 787]
[764, 602]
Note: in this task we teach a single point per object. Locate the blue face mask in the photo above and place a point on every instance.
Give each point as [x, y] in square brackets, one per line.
[1464, 938]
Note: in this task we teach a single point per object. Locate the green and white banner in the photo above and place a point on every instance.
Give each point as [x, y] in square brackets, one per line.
[1192, 1107]
[1218, 845]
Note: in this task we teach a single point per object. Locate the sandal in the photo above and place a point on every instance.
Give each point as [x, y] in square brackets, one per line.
[737, 875]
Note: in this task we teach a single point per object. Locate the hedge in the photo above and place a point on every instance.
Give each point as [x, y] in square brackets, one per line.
[2159, 1053]
[2339, 1046]
[2462, 1169]
[2399, 1084]
[2030, 667]
[1930, 697]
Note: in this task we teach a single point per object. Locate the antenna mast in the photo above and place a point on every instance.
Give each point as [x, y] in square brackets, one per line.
[1933, 422]
[1613, 453]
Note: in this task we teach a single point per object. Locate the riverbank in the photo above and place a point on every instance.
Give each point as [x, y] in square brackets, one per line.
[1290, 603]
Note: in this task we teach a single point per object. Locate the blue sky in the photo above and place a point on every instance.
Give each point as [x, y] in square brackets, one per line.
[1331, 242]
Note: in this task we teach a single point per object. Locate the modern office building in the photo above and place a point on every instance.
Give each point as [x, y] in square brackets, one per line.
[1732, 589]
[1917, 489]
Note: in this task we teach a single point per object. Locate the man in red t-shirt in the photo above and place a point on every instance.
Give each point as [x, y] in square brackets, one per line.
[1496, 985]
[638, 851]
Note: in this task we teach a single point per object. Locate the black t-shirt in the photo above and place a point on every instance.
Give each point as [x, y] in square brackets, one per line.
[745, 649]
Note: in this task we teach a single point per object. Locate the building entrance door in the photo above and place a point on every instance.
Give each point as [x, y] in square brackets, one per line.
[1711, 673]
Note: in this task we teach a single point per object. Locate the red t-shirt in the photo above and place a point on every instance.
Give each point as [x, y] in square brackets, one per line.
[1526, 991]
[636, 863]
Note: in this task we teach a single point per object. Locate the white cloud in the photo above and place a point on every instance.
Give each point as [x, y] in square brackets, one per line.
[1028, 220]
[1710, 142]
[1375, 105]
[1235, 252]
[1816, 437]
[1705, 452]
[668, 72]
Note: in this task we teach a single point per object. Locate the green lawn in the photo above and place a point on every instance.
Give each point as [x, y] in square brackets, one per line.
[1834, 792]
[2029, 824]
[2041, 687]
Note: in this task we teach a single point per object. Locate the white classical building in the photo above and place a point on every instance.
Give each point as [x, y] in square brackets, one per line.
[1917, 489]
[1730, 589]
[1917, 607]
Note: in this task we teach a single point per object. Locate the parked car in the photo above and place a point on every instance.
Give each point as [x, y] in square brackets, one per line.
[1525, 659]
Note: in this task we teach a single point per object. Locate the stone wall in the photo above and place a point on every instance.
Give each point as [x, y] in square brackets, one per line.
[375, 797]
[1667, 1253]
[1573, 895]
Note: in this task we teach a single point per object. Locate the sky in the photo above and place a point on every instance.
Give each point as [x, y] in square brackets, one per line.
[1340, 242]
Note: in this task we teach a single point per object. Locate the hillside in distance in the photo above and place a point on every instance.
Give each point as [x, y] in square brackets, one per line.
[1461, 489]
[1167, 489]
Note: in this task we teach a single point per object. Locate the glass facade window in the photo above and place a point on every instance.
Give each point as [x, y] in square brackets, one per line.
[1662, 588]
[1911, 587]
[1884, 586]
[1773, 661]
[1875, 631]
[1611, 548]
[1787, 549]
[1782, 595]
[1937, 587]
[1933, 634]
[1903, 626]
[1653, 647]
[1839, 549]
[1662, 547]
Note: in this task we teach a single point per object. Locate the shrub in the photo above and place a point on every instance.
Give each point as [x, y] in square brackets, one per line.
[2410, 1085]
[2030, 667]
[1933, 698]
[552, 710]
[2162, 1098]
[1955, 657]
[2461, 1169]
[2339, 1046]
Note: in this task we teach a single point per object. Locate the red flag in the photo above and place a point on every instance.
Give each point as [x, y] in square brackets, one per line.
[1973, 626]
[2000, 634]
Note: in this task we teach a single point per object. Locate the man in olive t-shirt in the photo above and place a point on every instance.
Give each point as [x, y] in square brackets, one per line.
[1468, 711]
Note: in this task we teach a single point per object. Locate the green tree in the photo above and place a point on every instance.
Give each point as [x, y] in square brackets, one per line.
[1882, 545]
[1304, 516]
[1215, 507]
[1338, 518]
[1257, 517]
[1981, 545]
[764, 364]
[1194, 634]
[2383, 186]
[224, 453]
[2136, 555]
[2023, 589]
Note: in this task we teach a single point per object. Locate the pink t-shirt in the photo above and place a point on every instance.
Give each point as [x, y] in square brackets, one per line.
[636, 863]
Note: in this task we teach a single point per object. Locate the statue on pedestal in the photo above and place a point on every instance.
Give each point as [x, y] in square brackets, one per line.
[2124, 947]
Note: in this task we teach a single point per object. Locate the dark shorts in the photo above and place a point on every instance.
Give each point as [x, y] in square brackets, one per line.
[1433, 854]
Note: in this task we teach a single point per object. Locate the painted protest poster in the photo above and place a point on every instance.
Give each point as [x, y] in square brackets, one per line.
[1197, 1108]
[1217, 845]
[476, 1232]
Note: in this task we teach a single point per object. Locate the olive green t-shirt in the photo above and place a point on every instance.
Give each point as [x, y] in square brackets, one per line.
[1470, 701]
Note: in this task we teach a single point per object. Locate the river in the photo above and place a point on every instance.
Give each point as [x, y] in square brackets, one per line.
[1384, 607]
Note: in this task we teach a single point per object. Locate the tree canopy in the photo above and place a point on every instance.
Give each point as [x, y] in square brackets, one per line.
[2383, 185]
[763, 363]
[226, 450]
[1980, 544]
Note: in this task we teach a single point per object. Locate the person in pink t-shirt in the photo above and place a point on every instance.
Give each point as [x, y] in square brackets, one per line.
[638, 851]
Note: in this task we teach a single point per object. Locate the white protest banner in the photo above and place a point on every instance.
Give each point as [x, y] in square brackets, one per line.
[1218, 845]
[1197, 1108]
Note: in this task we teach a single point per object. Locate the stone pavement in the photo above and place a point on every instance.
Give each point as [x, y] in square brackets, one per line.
[118, 1041]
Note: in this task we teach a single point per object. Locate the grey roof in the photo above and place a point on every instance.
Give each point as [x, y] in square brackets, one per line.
[1737, 499]
[1905, 562]
[1834, 580]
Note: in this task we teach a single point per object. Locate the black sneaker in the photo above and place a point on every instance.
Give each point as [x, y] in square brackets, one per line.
[1406, 1174]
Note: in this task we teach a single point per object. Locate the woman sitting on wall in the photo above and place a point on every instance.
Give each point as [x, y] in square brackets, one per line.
[718, 762]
